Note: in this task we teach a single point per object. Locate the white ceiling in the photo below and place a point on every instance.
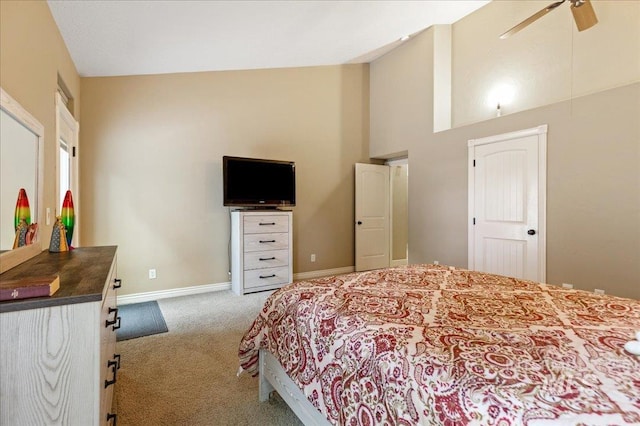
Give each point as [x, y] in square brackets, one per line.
[112, 37]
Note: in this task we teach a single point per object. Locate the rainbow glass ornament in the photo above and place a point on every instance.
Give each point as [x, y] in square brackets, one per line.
[67, 216]
[23, 212]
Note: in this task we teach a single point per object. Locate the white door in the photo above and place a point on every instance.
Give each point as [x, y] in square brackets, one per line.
[67, 129]
[507, 193]
[372, 217]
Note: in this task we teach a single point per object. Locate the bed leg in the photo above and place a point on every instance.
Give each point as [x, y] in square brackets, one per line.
[264, 387]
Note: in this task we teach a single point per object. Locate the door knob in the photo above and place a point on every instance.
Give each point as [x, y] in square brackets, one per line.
[359, 222]
[531, 232]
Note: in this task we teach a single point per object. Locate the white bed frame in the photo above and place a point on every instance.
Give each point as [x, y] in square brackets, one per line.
[273, 377]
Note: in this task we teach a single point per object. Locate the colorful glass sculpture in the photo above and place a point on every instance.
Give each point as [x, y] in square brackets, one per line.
[67, 216]
[23, 212]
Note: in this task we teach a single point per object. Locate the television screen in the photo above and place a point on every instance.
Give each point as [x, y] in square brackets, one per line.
[254, 182]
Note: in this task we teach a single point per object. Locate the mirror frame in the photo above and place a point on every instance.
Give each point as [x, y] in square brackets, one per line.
[12, 258]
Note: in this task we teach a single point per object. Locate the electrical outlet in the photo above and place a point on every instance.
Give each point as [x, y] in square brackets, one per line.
[313, 257]
[598, 291]
[567, 285]
[152, 274]
[435, 262]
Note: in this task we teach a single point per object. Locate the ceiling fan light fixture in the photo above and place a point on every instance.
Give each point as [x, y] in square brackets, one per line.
[531, 19]
[582, 10]
[583, 14]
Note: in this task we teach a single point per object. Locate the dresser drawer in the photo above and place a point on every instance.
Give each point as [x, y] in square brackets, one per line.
[266, 259]
[265, 224]
[260, 242]
[109, 360]
[266, 276]
[54, 356]
[261, 246]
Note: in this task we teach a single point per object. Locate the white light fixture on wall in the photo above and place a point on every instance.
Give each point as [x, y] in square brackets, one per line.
[502, 94]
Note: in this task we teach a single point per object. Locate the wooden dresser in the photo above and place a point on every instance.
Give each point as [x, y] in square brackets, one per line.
[58, 364]
[261, 250]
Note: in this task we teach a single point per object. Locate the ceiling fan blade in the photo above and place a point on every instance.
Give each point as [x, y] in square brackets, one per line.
[532, 18]
[583, 14]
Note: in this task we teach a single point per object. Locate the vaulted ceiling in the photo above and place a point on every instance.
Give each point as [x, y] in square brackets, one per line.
[110, 37]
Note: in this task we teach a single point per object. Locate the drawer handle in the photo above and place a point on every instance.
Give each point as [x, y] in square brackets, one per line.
[266, 223]
[117, 283]
[113, 365]
[114, 417]
[267, 276]
[268, 258]
[116, 319]
[267, 241]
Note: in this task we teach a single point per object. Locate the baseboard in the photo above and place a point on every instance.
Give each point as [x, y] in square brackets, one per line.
[322, 273]
[207, 288]
[175, 292]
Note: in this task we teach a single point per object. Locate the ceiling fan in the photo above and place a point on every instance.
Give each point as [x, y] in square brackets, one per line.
[582, 11]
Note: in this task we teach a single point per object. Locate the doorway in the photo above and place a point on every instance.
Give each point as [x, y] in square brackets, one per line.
[67, 178]
[381, 228]
[399, 199]
[507, 204]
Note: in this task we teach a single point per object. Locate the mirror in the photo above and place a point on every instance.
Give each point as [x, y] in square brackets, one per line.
[21, 166]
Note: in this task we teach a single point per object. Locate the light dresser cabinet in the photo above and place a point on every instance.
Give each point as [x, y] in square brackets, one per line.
[261, 250]
[58, 362]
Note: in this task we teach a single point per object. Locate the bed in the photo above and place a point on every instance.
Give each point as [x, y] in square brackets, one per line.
[435, 345]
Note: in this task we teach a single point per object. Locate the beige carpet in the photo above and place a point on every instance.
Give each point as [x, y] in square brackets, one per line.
[188, 375]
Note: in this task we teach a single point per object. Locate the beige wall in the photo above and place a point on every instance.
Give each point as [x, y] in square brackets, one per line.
[593, 190]
[402, 97]
[154, 145]
[32, 54]
[547, 62]
[593, 199]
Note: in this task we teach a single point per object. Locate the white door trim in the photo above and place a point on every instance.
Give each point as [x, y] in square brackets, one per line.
[67, 124]
[541, 131]
[404, 161]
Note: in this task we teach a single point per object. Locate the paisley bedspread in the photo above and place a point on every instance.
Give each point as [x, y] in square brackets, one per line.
[432, 345]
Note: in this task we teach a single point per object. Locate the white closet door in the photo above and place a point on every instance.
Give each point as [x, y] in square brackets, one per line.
[507, 234]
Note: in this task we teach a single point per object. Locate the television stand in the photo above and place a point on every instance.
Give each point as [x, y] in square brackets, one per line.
[261, 250]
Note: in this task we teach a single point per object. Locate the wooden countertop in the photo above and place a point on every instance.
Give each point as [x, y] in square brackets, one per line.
[82, 272]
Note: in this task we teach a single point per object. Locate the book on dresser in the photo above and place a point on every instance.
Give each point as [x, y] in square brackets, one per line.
[25, 288]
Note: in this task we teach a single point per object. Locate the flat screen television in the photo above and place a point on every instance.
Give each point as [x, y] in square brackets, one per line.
[254, 182]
